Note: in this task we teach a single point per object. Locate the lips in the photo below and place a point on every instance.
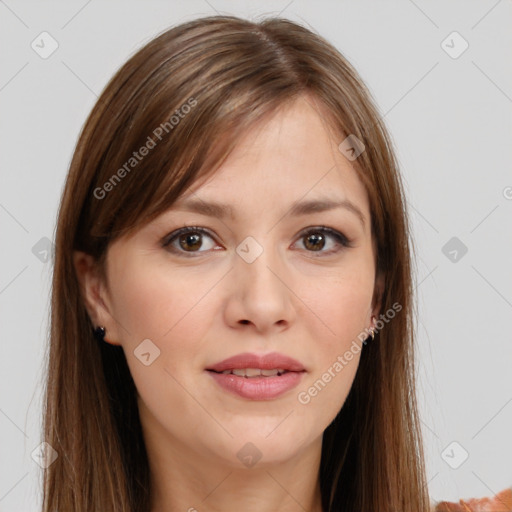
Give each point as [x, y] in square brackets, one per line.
[255, 377]
[272, 361]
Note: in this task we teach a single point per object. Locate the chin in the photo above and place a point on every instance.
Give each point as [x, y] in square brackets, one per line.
[270, 440]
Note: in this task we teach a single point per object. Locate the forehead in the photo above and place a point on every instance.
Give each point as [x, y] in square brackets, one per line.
[292, 158]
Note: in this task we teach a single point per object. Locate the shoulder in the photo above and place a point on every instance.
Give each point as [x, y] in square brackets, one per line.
[501, 502]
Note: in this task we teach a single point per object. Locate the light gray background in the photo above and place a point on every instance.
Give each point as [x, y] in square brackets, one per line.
[450, 119]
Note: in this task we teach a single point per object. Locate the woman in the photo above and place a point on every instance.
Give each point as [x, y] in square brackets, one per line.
[232, 304]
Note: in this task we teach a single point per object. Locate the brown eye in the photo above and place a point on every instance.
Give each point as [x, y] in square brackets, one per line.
[317, 239]
[188, 240]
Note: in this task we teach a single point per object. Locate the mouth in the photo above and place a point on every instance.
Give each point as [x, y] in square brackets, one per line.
[256, 377]
[252, 363]
[250, 373]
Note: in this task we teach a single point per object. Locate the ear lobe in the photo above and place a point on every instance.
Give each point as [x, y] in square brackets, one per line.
[93, 293]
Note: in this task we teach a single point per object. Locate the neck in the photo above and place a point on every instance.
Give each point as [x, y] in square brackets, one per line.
[225, 490]
[185, 480]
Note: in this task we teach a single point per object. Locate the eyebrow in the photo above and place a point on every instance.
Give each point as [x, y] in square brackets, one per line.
[221, 211]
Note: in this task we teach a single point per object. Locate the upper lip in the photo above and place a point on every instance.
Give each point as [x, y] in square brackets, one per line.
[270, 361]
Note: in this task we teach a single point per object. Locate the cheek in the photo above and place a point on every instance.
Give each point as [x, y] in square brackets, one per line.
[341, 301]
[344, 312]
[167, 310]
[172, 311]
[157, 303]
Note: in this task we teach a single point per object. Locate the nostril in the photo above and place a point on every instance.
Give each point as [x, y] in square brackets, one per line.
[244, 322]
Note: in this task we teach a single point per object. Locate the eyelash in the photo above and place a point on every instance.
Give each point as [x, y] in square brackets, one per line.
[340, 239]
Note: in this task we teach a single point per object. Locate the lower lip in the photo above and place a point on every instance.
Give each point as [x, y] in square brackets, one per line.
[257, 388]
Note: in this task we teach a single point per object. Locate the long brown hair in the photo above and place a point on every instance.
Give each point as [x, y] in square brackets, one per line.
[187, 96]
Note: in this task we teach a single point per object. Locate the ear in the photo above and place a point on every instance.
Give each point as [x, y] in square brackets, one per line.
[378, 291]
[95, 295]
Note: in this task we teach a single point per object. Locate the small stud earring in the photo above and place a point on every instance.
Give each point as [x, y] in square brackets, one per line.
[99, 332]
[372, 330]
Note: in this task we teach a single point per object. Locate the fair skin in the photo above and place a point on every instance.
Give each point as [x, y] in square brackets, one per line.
[203, 303]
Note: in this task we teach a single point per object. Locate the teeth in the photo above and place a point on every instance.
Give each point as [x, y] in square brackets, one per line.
[255, 372]
[252, 372]
[268, 373]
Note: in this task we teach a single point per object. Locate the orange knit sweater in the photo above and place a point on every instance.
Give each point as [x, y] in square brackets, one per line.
[501, 502]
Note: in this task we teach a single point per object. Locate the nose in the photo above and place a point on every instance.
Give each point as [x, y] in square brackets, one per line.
[260, 298]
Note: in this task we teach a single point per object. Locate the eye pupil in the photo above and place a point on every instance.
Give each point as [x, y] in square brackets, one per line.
[315, 241]
[194, 239]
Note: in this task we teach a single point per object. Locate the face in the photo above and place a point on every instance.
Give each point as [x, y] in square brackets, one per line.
[275, 272]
